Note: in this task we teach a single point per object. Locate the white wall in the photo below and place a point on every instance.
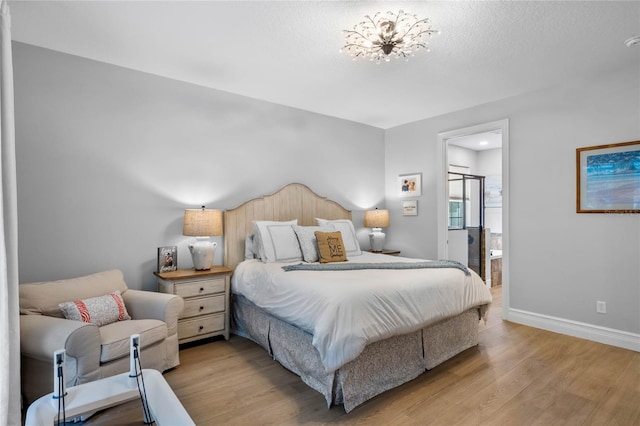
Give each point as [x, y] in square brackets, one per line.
[560, 262]
[463, 157]
[108, 159]
[489, 162]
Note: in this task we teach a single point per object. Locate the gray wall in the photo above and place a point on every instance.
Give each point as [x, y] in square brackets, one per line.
[108, 159]
[561, 262]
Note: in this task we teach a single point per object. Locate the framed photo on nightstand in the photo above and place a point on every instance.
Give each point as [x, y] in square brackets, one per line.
[167, 258]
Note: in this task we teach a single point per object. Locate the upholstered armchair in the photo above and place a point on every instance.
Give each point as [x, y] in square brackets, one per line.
[93, 350]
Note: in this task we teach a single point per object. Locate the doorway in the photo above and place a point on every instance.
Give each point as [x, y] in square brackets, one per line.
[461, 148]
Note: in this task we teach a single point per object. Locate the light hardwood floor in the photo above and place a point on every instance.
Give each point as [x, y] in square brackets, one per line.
[516, 376]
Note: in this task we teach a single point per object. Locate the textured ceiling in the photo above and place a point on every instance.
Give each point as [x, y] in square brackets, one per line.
[287, 51]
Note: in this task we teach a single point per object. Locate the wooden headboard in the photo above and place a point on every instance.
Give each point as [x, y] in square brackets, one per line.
[294, 201]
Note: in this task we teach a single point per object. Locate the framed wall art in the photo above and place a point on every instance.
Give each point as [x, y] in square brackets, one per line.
[410, 185]
[493, 191]
[608, 178]
[410, 208]
[167, 258]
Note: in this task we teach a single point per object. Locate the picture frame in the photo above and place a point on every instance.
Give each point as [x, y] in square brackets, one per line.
[410, 185]
[608, 178]
[410, 208]
[493, 191]
[167, 259]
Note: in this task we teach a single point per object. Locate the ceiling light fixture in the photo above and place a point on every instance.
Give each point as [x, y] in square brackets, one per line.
[633, 41]
[388, 35]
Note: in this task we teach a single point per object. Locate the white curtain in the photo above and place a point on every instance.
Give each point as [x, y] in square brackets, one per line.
[9, 313]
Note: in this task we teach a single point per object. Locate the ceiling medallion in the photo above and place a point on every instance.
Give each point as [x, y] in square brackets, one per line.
[388, 35]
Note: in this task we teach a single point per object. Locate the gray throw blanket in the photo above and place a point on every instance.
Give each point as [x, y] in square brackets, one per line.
[348, 266]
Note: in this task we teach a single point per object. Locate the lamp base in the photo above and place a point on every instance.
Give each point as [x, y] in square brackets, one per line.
[376, 239]
[202, 252]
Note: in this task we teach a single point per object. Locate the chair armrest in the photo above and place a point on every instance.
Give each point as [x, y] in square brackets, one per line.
[150, 305]
[41, 336]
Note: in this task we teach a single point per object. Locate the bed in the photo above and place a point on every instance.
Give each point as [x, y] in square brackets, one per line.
[344, 348]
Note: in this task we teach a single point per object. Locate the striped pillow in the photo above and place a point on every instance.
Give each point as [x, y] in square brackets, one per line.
[101, 310]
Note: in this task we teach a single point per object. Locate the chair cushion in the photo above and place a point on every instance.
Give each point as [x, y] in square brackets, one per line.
[114, 337]
[42, 298]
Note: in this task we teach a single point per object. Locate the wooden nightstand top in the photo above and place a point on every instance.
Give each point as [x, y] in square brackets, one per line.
[192, 273]
[389, 252]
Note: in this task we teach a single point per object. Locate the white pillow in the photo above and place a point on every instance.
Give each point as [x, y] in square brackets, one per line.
[250, 251]
[277, 242]
[308, 242]
[349, 237]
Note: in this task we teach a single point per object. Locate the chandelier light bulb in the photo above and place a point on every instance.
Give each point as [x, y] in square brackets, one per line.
[386, 36]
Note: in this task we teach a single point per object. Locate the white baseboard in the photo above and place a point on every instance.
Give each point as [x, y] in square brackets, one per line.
[609, 336]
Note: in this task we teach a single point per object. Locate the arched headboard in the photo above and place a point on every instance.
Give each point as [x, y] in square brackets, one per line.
[294, 201]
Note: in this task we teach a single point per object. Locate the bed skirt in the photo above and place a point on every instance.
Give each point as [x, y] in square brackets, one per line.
[381, 366]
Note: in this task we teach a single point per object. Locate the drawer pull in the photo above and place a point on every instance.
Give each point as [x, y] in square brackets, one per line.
[201, 307]
[201, 289]
[201, 327]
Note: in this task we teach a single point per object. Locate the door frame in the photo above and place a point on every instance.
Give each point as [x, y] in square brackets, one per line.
[443, 195]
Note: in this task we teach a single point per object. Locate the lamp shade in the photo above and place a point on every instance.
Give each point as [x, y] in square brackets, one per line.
[202, 223]
[376, 218]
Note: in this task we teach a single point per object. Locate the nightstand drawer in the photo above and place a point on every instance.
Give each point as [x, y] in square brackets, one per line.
[203, 306]
[200, 326]
[200, 288]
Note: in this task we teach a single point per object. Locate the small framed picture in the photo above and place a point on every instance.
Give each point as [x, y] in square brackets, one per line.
[410, 208]
[167, 258]
[410, 185]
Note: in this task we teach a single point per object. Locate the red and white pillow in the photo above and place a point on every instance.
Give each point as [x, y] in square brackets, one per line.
[101, 310]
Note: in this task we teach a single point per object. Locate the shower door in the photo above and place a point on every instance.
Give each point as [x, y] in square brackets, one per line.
[466, 212]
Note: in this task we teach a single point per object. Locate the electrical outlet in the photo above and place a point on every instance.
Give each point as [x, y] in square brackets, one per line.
[601, 307]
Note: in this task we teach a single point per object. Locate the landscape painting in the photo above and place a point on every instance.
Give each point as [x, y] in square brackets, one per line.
[608, 178]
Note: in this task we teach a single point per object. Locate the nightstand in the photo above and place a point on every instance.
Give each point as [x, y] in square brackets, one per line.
[206, 301]
[385, 251]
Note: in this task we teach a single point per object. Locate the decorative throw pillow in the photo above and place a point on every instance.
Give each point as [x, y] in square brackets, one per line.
[331, 247]
[101, 310]
[349, 236]
[307, 239]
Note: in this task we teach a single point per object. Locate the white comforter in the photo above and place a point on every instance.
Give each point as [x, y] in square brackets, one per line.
[346, 310]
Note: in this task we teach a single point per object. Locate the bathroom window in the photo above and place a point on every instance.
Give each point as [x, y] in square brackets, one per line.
[456, 216]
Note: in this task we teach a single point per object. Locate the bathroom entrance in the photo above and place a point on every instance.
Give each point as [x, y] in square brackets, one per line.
[478, 152]
[493, 164]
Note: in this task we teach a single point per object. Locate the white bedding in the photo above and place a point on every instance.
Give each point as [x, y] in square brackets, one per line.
[347, 310]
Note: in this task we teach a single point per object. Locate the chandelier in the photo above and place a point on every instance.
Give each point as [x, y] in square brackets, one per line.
[388, 35]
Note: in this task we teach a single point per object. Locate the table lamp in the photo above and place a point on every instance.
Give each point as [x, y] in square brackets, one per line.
[202, 224]
[376, 219]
